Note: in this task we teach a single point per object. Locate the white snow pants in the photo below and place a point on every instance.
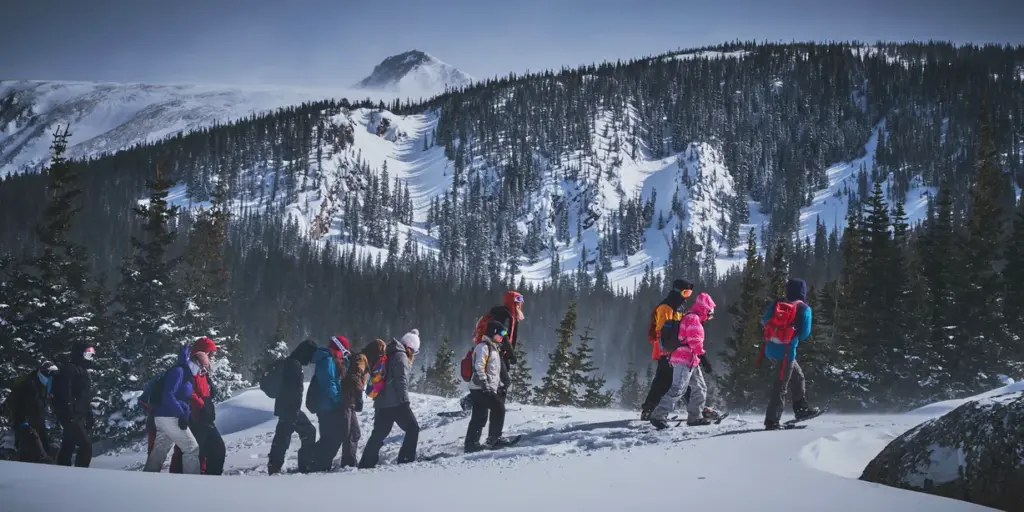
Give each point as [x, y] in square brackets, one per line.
[168, 434]
[683, 376]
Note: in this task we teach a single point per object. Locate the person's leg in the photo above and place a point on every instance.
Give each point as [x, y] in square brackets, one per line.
[383, 420]
[497, 420]
[67, 444]
[680, 379]
[82, 441]
[776, 399]
[176, 460]
[307, 439]
[698, 389]
[406, 421]
[282, 439]
[332, 433]
[162, 444]
[212, 449]
[798, 389]
[659, 384]
[31, 447]
[477, 420]
[350, 445]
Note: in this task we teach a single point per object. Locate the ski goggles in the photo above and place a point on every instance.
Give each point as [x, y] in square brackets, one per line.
[341, 347]
[518, 299]
[89, 354]
[686, 293]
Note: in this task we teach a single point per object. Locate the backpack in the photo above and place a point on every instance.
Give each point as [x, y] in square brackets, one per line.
[270, 382]
[313, 395]
[466, 368]
[779, 327]
[150, 396]
[669, 336]
[375, 384]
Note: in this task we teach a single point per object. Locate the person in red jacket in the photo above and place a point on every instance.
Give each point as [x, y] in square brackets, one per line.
[203, 414]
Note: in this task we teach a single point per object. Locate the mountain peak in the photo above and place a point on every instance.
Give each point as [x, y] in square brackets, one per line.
[414, 73]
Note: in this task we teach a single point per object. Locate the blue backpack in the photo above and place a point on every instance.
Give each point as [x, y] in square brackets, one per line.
[150, 396]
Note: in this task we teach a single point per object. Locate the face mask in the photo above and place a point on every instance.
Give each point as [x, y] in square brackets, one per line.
[194, 366]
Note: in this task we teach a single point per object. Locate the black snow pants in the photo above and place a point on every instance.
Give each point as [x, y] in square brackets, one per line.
[287, 425]
[792, 379]
[33, 445]
[485, 404]
[76, 442]
[659, 385]
[339, 428]
[383, 419]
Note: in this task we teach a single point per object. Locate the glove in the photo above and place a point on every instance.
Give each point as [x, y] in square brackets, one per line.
[183, 422]
[706, 365]
[208, 413]
[501, 393]
[509, 354]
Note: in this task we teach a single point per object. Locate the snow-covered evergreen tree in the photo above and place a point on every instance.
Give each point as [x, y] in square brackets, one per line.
[589, 387]
[630, 391]
[556, 388]
[440, 379]
[521, 389]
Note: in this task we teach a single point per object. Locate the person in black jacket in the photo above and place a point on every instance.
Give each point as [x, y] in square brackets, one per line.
[72, 400]
[287, 408]
[28, 414]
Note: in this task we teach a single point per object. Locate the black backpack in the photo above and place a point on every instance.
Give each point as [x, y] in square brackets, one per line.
[670, 335]
[270, 382]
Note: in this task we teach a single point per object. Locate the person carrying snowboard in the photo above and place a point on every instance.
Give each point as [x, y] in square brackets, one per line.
[72, 401]
[212, 451]
[171, 415]
[288, 409]
[509, 314]
[669, 310]
[484, 389]
[389, 388]
[786, 323]
[684, 357]
[326, 399]
[27, 408]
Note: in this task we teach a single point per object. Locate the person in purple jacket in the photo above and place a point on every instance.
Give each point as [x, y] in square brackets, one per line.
[170, 416]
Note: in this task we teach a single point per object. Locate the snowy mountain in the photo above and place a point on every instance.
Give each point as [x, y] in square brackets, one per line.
[107, 117]
[610, 455]
[414, 74]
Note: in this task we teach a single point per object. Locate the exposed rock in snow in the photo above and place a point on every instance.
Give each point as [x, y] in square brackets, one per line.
[974, 453]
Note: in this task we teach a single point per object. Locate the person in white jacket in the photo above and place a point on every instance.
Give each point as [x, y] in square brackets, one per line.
[484, 387]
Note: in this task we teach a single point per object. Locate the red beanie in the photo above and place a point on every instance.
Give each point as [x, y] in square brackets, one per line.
[204, 344]
[340, 343]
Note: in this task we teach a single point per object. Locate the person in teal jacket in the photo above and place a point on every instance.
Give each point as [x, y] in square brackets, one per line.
[783, 356]
[331, 366]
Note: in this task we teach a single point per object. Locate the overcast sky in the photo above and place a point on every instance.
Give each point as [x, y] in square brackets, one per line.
[336, 42]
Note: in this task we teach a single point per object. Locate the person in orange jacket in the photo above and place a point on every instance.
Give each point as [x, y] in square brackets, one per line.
[670, 309]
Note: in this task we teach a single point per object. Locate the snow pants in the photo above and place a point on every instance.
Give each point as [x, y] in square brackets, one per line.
[383, 419]
[793, 379]
[287, 425]
[33, 445]
[659, 385]
[683, 376]
[76, 442]
[339, 428]
[212, 451]
[169, 434]
[485, 404]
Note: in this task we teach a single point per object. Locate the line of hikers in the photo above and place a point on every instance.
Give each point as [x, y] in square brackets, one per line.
[676, 335]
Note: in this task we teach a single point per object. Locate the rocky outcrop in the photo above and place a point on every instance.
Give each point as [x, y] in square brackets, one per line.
[974, 453]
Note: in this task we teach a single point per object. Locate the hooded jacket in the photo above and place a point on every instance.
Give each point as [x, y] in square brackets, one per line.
[669, 309]
[354, 383]
[691, 333]
[289, 398]
[486, 366]
[72, 387]
[328, 377]
[177, 390]
[396, 379]
[28, 401]
[796, 291]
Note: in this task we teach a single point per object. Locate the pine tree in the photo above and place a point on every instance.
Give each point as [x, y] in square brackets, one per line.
[1014, 273]
[589, 387]
[439, 379]
[779, 270]
[940, 270]
[630, 391]
[742, 347]
[276, 347]
[980, 299]
[556, 387]
[521, 388]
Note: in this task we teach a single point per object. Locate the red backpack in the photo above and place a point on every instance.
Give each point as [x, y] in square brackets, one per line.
[466, 368]
[779, 327]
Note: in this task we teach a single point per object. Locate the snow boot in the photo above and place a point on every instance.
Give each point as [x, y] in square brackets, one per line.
[659, 424]
[772, 425]
[645, 414]
[499, 442]
[473, 447]
[710, 414]
[804, 413]
[273, 469]
[698, 422]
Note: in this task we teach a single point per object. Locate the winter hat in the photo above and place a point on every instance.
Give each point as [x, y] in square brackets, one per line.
[796, 289]
[704, 306]
[412, 340]
[204, 345]
[494, 328]
[681, 284]
[340, 343]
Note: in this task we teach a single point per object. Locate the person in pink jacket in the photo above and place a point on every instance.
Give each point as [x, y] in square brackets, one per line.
[686, 372]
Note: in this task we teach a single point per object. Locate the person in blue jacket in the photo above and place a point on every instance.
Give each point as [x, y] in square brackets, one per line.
[328, 402]
[782, 337]
[171, 415]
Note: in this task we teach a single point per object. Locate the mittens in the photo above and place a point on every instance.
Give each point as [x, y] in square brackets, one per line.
[183, 422]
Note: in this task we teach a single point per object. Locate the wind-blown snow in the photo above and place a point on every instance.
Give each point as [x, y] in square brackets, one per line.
[569, 459]
[414, 74]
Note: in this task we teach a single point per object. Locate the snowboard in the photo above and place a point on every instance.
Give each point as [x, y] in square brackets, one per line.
[454, 414]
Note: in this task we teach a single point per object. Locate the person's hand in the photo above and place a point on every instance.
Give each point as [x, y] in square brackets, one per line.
[183, 422]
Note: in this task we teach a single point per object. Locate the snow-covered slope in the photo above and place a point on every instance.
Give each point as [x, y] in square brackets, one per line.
[569, 459]
[106, 117]
[414, 74]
